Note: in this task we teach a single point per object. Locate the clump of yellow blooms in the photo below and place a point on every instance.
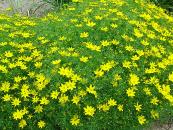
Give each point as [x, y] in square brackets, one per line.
[97, 64]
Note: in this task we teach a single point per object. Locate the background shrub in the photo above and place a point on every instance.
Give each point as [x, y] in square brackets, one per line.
[57, 3]
[167, 4]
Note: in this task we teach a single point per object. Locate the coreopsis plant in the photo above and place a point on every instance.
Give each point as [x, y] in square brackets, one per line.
[99, 64]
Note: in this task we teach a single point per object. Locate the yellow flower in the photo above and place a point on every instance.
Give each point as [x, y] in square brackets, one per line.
[171, 77]
[89, 110]
[141, 120]
[97, 17]
[84, 35]
[75, 120]
[146, 16]
[66, 72]
[5, 87]
[70, 85]
[93, 47]
[82, 93]
[107, 66]
[22, 123]
[147, 91]
[129, 48]
[104, 29]
[84, 59]
[41, 38]
[91, 89]
[35, 99]
[114, 25]
[117, 77]
[154, 101]
[99, 73]
[112, 102]
[8, 54]
[138, 107]
[130, 92]
[145, 43]
[105, 43]
[63, 99]
[62, 38]
[76, 99]
[41, 124]
[44, 101]
[115, 42]
[6, 97]
[31, 74]
[16, 102]
[38, 109]
[127, 64]
[17, 79]
[135, 58]
[134, 79]
[56, 62]
[120, 107]
[38, 64]
[137, 33]
[3, 69]
[18, 114]
[105, 107]
[91, 24]
[154, 114]
[54, 94]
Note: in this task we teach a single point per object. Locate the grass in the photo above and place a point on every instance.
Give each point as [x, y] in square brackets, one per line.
[94, 65]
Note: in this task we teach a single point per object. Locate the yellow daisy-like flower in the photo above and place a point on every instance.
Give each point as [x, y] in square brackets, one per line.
[120, 107]
[127, 64]
[91, 24]
[22, 123]
[38, 109]
[89, 110]
[44, 101]
[76, 99]
[54, 94]
[41, 124]
[6, 97]
[141, 120]
[99, 73]
[5, 87]
[171, 77]
[134, 79]
[154, 114]
[18, 114]
[84, 59]
[138, 107]
[75, 120]
[130, 92]
[91, 89]
[8, 54]
[56, 62]
[112, 102]
[154, 101]
[16, 102]
[84, 35]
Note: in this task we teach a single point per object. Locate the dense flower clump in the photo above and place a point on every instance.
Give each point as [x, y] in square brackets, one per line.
[99, 64]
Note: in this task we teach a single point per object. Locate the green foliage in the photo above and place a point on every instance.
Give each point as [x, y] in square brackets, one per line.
[167, 4]
[57, 3]
[100, 64]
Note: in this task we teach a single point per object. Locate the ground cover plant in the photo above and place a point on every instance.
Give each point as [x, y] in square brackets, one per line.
[99, 64]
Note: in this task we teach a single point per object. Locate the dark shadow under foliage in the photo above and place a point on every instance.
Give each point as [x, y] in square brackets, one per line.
[166, 4]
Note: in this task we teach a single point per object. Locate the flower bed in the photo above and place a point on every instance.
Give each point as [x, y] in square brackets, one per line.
[95, 65]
